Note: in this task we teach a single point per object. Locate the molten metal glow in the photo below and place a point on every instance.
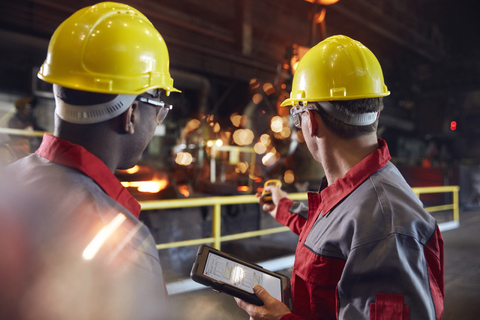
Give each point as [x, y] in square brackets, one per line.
[153, 186]
[183, 189]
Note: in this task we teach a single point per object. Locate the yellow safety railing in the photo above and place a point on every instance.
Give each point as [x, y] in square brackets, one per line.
[22, 132]
[217, 203]
[442, 189]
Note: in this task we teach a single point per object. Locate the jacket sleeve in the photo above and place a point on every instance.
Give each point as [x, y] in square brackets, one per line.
[393, 278]
[291, 316]
[294, 220]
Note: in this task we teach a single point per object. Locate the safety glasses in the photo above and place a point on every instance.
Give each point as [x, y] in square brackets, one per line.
[297, 110]
[164, 107]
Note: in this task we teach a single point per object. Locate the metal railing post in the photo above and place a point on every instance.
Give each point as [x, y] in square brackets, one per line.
[217, 225]
[456, 211]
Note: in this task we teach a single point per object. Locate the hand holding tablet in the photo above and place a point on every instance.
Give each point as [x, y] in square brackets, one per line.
[231, 275]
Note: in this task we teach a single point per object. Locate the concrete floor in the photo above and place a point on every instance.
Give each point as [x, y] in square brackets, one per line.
[462, 281]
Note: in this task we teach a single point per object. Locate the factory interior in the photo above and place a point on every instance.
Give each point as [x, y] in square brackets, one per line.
[227, 134]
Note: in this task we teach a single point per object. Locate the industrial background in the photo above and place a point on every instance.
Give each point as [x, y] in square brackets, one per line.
[234, 61]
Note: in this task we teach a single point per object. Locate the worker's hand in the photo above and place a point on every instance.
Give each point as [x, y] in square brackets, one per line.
[272, 309]
[271, 207]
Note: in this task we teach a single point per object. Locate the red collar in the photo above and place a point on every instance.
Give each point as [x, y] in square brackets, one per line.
[75, 156]
[332, 195]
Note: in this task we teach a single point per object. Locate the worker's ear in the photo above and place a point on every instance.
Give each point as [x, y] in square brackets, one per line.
[129, 118]
[313, 124]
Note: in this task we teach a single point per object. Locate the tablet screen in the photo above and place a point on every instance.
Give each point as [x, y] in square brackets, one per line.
[241, 276]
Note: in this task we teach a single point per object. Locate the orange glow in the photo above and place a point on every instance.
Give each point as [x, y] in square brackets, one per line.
[236, 119]
[289, 176]
[285, 133]
[270, 158]
[276, 124]
[216, 127]
[300, 137]
[254, 83]
[152, 186]
[132, 170]
[259, 148]
[257, 98]
[268, 88]
[243, 137]
[192, 125]
[324, 2]
[319, 17]
[184, 158]
[242, 167]
[183, 189]
[265, 139]
[243, 188]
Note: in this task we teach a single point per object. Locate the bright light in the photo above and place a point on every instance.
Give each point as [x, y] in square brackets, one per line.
[254, 83]
[289, 176]
[277, 124]
[265, 139]
[259, 148]
[183, 189]
[270, 158]
[152, 186]
[184, 158]
[242, 167]
[243, 137]
[192, 125]
[284, 134]
[453, 125]
[268, 88]
[324, 2]
[237, 274]
[133, 170]
[236, 119]
[320, 16]
[219, 143]
[102, 236]
[257, 98]
[210, 143]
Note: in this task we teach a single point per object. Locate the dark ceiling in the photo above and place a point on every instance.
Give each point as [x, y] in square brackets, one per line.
[428, 48]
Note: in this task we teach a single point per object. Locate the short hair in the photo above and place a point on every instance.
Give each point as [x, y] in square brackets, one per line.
[350, 107]
[83, 98]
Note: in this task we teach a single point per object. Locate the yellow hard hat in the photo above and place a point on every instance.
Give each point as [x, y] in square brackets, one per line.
[338, 68]
[108, 48]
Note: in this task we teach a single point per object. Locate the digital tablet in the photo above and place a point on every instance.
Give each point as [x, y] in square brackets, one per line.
[234, 276]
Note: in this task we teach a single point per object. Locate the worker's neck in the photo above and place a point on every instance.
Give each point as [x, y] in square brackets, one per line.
[95, 144]
[338, 156]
